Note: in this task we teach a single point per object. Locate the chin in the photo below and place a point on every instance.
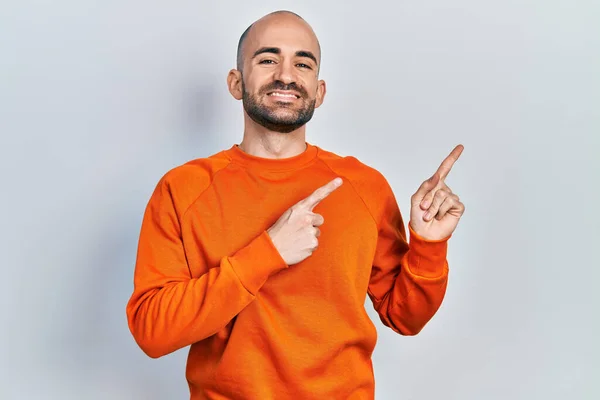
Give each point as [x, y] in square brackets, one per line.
[284, 113]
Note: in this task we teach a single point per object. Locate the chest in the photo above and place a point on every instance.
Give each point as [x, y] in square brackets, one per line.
[229, 215]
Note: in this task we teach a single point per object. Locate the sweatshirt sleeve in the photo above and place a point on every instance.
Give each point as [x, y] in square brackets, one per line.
[408, 281]
[169, 309]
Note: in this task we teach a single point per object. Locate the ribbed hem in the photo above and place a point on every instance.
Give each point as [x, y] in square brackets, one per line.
[254, 263]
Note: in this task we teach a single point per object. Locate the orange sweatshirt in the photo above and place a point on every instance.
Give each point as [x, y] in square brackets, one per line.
[208, 275]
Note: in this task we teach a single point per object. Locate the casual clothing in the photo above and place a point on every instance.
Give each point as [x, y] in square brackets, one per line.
[208, 275]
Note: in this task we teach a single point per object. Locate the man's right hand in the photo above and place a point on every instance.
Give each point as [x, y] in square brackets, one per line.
[295, 232]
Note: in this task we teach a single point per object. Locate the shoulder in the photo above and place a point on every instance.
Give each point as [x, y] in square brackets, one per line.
[368, 182]
[196, 174]
[184, 183]
[365, 177]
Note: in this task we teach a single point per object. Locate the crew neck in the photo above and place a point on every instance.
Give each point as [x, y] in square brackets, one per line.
[238, 156]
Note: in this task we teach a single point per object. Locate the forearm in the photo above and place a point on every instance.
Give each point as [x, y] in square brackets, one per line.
[168, 313]
[166, 319]
[419, 288]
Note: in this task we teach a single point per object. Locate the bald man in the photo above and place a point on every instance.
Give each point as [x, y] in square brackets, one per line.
[261, 256]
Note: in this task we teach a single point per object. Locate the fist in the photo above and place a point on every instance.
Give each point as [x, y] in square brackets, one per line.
[296, 232]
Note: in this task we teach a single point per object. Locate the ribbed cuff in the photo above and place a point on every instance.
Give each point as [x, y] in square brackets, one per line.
[427, 258]
[254, 263]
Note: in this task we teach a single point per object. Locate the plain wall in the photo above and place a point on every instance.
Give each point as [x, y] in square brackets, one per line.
[99, 99]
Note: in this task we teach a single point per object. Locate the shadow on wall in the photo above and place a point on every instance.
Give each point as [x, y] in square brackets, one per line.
[200, 122]
[93, 341]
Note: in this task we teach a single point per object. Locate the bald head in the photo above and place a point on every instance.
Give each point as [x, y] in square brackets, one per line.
[276, 18]
[277, 74]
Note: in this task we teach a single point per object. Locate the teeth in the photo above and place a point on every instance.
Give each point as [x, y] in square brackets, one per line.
[283, 95]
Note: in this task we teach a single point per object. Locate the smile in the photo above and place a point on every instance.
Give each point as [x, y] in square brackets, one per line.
[283, 95]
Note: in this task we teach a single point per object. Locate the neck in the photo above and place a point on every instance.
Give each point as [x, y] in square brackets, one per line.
[261, 142]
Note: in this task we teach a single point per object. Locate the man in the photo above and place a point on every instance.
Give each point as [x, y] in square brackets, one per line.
[261, 259]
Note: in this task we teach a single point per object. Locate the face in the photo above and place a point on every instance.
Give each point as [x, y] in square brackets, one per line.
[279, 85]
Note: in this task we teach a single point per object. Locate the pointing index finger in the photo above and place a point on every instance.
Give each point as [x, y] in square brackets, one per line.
[318, 195]
[446, 165]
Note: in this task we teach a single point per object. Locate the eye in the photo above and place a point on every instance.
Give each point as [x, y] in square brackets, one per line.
[301, 65]
[267, 61]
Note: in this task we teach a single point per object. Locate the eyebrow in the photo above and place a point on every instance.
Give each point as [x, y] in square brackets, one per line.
[277, 50]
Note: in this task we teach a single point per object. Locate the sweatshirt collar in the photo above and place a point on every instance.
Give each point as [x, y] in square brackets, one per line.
[238, 156]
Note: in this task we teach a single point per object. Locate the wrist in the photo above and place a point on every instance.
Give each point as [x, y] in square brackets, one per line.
[424, 237]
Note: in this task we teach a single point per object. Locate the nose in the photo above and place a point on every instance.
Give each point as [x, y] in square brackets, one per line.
[285, 72]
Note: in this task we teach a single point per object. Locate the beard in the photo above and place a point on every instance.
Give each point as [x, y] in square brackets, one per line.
[268, 117]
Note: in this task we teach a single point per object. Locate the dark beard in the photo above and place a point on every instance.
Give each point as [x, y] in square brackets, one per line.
[263, 116]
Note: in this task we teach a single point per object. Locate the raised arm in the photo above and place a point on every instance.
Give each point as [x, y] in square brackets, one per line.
[409, 279]
[408, 282]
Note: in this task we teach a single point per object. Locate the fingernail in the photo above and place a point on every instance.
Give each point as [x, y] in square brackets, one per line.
[426, 204]
[427, 215]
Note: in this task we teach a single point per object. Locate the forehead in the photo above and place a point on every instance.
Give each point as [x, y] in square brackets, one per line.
[290, 34]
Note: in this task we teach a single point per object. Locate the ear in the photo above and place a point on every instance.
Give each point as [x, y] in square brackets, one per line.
[321, 90]
[234, 83]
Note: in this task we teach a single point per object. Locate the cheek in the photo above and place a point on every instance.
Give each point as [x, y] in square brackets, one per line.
[253, 83]
[313, 89]
[249, 86]
[310, 91]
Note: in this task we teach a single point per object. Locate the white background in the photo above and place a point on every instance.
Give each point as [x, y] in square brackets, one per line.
[99, 99]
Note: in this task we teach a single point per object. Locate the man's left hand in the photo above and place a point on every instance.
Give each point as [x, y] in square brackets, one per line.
[435, 209]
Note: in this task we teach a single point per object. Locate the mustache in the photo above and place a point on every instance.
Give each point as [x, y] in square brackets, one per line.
[278, 85]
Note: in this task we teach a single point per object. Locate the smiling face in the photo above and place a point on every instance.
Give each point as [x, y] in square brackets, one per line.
[277, 75]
